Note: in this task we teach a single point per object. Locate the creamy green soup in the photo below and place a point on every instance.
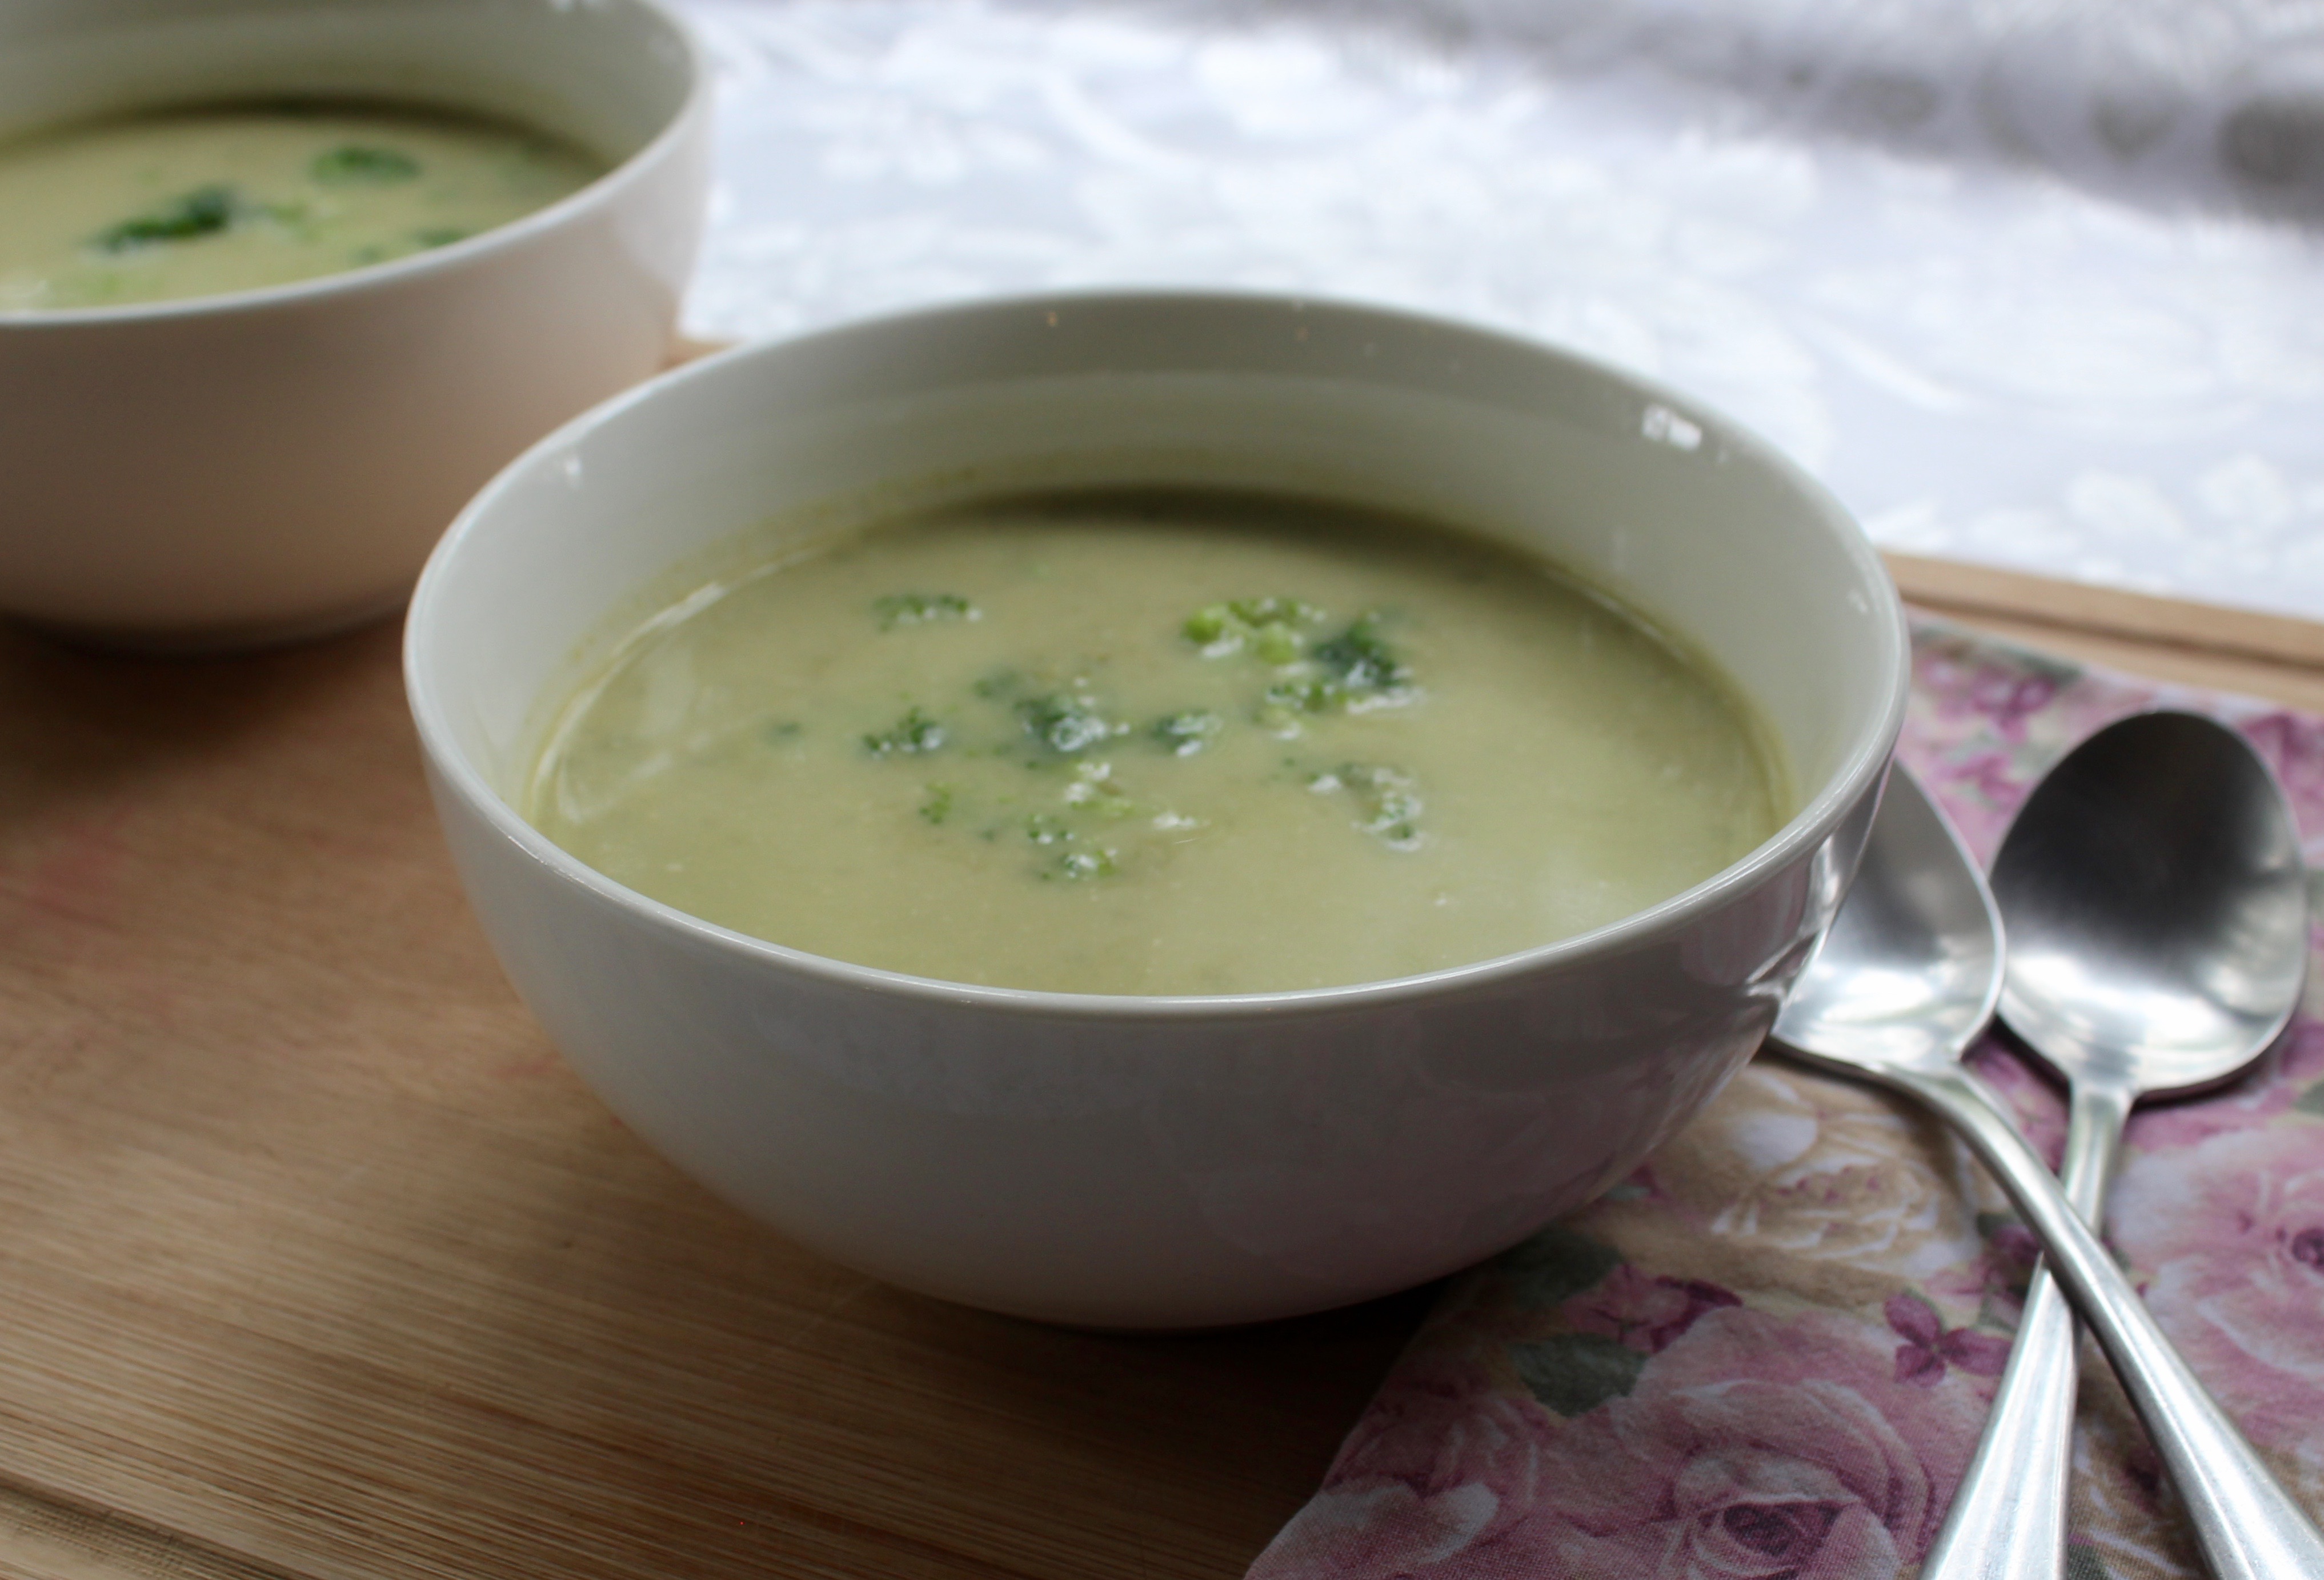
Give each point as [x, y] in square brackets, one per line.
[1155, 744]
[198, 202]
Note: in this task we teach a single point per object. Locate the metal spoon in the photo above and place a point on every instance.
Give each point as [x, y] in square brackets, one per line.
[1902, 984]
[2158, 929]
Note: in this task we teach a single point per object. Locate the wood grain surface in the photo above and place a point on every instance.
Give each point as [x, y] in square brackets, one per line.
[315, 1261]
[2196, 644]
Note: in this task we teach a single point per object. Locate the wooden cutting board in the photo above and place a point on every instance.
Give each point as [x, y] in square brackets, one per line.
[315, 1261]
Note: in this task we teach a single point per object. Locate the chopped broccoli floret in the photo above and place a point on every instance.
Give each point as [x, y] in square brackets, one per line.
[204, 211]
[1078, 861]
[1185, 734]
[1389, 806]
[1360, 671]
[1267, 627]
[1065, 723]
[1360, 661]
[1077, 864]
[938, 806]
[1317, 696]
[1207, 625]
[355, 165]
[1094, 790]
[900, 609]
[915, 732]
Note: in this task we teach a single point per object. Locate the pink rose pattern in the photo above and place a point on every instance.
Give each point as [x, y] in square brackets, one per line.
[1595, 1404]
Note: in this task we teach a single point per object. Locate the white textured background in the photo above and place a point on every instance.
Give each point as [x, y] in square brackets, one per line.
[2035, 283]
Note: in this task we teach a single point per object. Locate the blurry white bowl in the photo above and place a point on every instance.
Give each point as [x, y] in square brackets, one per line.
[274, 463]
[1159, 1162]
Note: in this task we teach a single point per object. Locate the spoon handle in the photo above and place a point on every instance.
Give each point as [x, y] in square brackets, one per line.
[2250, 1528]
[2008, 1519]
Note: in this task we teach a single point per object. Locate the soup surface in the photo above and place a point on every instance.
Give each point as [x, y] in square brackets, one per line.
[198, 202]
[1155, 744]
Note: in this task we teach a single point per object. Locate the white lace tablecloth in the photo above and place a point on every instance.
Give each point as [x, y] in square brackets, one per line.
[2033, 284]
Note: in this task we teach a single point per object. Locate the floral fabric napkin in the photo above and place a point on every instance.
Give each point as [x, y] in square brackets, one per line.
[1769, 1353]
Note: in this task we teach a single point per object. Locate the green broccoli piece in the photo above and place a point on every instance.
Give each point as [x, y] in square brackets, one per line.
[1389, 806]
[1043, 829]
[1185, 734]
[355, 165]
[1267, 627]
[938, 806]
[899, 609]
[1360, 661]
[204, 211]
[1317, 696]
[916, 732]
[1075, 865]
[1066, 723]
[1360, 671]
[1094, 790]
[1205, 625]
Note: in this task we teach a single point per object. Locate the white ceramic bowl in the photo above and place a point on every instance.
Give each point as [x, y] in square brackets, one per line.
[1159, 1162]
[273, 463]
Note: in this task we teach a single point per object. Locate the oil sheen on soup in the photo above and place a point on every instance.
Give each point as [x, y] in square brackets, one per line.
[199, 202]
[1183, 744]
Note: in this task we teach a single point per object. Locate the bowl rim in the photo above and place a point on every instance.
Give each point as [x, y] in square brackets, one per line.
[1859, 771]
[694, 106]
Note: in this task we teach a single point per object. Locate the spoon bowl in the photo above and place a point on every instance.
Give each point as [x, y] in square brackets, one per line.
[1911, 969]
[2157, 907]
